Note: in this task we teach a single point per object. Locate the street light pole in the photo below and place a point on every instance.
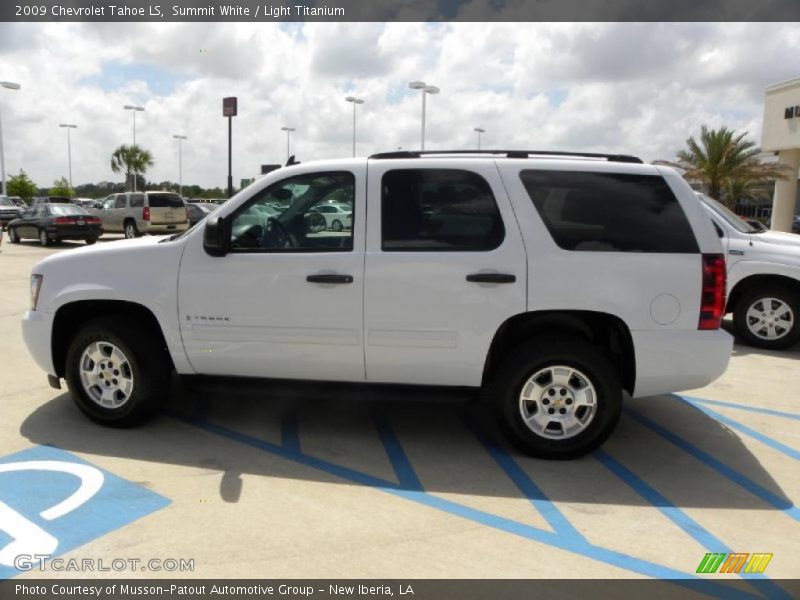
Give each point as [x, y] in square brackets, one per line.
[355, 101]
[134, 110]
[288, 131]
[479, 131]
[11, 86]
[67, 126]
[426, 89]
[180, 139]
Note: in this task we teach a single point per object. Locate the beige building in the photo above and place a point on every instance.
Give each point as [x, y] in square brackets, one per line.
[781, 134]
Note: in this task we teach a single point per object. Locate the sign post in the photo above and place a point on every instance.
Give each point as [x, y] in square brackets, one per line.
[230, 110]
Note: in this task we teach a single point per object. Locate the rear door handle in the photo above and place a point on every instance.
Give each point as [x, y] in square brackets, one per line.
[329, 278]
[491, 278]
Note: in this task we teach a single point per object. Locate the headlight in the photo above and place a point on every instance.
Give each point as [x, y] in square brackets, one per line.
[36, 285]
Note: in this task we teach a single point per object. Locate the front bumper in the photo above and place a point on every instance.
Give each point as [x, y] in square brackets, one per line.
[673, 361]
[37, 328]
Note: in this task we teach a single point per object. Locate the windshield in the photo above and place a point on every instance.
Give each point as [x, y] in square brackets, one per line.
[63, 209]
[728, 215]
[5, 201]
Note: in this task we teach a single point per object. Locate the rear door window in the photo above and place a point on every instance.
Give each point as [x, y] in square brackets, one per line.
[443, 210]
[610, 212]
[137, 200]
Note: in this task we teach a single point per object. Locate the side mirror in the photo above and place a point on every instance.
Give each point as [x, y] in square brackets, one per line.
[216, 235]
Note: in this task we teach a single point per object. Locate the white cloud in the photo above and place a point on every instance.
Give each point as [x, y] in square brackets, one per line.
[639, 88]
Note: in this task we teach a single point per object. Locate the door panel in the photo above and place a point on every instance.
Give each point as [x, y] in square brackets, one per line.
[425, 322]
[255, 313]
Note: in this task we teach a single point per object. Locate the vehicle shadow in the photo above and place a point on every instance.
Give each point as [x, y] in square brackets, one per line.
[451, 444]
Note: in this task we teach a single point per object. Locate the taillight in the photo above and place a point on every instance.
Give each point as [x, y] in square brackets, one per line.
[93, 220]
[64, 221]
[712, 298]
[146, 213]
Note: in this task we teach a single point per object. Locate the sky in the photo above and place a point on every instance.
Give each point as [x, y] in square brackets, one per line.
[634, 88]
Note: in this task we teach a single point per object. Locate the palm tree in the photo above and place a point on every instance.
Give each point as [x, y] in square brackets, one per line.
[725, 163]
[133, 160]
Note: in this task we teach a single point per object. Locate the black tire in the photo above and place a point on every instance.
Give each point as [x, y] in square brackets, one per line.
[149, 363]
[539, 353]
[337, 225]
[130, 230]
[90, 241]
[12, 236]
[740, 320]
[43, 239]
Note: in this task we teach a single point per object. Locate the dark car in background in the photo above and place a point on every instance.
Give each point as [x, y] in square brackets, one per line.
[199, 210]
[8, 211]
[55, 222]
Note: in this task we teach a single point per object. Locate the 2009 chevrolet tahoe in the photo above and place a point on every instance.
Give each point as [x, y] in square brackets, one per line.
[553, 281]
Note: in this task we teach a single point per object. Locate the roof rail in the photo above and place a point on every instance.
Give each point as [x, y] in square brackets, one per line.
[508, 154]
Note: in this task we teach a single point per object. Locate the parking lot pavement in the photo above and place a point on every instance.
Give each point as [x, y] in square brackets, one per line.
[300, 484]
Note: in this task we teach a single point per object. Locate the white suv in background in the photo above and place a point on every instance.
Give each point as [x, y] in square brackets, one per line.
[763, 279]
[554, 282]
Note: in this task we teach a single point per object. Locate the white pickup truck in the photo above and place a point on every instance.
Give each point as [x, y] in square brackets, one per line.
[763, 279]
[554, 282]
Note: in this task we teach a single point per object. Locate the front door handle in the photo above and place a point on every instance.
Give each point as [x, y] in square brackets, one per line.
[491, 278]
[329, 278]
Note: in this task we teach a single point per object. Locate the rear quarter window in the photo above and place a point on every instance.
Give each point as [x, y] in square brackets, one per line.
[610, 212]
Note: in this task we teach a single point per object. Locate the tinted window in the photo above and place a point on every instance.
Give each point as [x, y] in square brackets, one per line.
[285, 218]
[137, 200]
[610, 212]
[438, 210]
[119, 201]
[165, 201]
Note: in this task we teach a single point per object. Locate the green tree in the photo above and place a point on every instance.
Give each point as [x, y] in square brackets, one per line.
[725, 163]
[61, 187]
[131, 160]
[21, 185]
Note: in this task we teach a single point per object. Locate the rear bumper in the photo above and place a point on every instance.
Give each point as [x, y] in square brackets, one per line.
[165, 227]
[36, 329]
[672, 361]
[74, 232]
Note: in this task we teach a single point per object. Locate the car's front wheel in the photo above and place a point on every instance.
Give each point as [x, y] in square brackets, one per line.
[118, 374]
[768, 317]
[557, 397]
[12, 236]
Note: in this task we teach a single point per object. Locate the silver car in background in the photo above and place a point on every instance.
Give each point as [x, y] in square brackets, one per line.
[138, 213]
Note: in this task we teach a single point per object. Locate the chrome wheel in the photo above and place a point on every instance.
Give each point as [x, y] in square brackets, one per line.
[337, 225]
[769, 318]
[558, 402]
[43, 238]
[106, 375]
[130, 231]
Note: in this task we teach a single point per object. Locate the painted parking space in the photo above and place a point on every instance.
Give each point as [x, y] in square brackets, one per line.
[51, 502]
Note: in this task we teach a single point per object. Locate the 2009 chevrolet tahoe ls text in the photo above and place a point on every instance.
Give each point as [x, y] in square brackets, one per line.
[553, 281]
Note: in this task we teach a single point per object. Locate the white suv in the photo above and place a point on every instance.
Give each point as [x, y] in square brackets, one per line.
[553, 281]
[763, 279]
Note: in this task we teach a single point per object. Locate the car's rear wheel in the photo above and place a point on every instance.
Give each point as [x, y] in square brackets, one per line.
[90, 241]
[131, 230]
[337, 225]
[768, 317]
[43, 239]
[557, 397]
[118, 374]
[12, 236]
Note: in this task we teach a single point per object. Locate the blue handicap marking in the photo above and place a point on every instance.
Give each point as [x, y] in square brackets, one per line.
[51, 501]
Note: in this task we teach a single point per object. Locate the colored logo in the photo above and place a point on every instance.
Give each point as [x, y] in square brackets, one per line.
[52, 501]
[734, 562]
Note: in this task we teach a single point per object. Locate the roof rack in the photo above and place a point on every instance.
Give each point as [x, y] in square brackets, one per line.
[508, 154]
